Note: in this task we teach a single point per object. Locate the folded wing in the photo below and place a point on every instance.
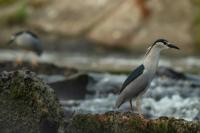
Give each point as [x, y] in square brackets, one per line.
[134, 75]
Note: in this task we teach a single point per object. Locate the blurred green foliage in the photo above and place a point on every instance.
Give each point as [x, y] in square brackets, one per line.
[197, 23]
[14, 13]
[19, 16]
[7, 2]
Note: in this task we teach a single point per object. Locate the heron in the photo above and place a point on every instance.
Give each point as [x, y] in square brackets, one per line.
[28, 41]
[138, 81]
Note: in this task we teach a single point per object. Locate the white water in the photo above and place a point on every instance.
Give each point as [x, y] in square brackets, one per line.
[165, 97]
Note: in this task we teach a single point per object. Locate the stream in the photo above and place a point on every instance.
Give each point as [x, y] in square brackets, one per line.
[165, 97]
[168, 95]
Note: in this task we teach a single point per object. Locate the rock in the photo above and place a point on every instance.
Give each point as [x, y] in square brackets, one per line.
[28, 105]
[71, 88]
[170, 73]
[74, 18]
[129, 24]
[41, 68]
[115, 122]
[116, 23]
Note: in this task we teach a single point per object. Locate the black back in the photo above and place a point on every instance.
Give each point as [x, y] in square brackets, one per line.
[28, 32]
[18, 33]
[31, 33]
[134, 74]
[161, 40]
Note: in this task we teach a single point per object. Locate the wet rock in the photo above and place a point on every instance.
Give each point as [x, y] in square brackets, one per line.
[115, 122]
[170, 73]
[52, 78]
[41, 68]
[28, 105]
[72, 88]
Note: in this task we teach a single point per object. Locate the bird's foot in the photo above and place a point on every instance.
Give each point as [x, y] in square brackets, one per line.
[141, 115]
[34, 63]
[18, 62]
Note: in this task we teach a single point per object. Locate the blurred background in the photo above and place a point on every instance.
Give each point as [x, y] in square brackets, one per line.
[107, 39]
[104, 28]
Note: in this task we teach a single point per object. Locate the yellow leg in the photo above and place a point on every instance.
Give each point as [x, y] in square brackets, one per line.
[138, 105]
[34, 61]
[18, 60]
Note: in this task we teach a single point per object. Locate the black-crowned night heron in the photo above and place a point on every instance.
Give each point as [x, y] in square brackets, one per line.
[138, 81]
[28, 41]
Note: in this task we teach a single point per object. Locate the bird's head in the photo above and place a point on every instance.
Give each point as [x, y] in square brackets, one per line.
[161, 44]
[25, 35]
[14, 37]
[11, 40]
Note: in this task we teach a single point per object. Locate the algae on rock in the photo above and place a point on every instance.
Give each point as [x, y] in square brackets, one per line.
[27, 104]
[115, 122]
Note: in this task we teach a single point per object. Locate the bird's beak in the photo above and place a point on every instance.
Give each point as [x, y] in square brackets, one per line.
[172, 46]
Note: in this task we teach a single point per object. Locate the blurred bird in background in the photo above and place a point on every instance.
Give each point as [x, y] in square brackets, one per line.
[27, 41]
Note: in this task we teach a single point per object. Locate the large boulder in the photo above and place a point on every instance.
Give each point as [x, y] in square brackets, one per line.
[128, 24]
[124, 23]
[28, 105]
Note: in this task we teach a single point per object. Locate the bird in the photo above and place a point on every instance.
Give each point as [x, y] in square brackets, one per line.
[28, 41]
[139, 79]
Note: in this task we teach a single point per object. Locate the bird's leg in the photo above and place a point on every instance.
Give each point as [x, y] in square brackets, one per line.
[131, 105]
[34, 62]
[18, 60]
[138, 105]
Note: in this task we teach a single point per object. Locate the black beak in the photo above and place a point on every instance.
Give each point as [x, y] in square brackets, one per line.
[172, 46]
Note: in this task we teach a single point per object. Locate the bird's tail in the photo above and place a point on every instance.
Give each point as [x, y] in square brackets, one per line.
[39, 51]
[119, 102]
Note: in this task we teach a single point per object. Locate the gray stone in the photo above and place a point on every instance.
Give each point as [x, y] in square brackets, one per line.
[28, 105]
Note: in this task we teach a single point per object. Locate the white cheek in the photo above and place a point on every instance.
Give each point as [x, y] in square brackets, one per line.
[165, 47]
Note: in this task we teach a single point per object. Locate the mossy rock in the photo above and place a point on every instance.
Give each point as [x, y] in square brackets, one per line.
[28, 105]
[115, 122]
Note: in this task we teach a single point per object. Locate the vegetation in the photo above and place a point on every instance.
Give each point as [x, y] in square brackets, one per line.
[13, 12]
[197, 23]
[7, 2]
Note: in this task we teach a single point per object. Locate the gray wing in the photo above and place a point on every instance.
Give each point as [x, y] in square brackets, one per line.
[133, 89]
[36, 46]
[134, 74]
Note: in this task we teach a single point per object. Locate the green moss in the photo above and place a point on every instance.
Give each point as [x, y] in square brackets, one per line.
[23, 94]
[82, 123]
[116, 122]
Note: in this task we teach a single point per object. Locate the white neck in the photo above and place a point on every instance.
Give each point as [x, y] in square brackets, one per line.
[151, 60]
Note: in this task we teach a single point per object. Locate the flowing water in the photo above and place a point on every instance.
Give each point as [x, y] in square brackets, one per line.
[165, 96]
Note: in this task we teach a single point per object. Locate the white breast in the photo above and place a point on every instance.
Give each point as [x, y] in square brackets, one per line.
[151, 62]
